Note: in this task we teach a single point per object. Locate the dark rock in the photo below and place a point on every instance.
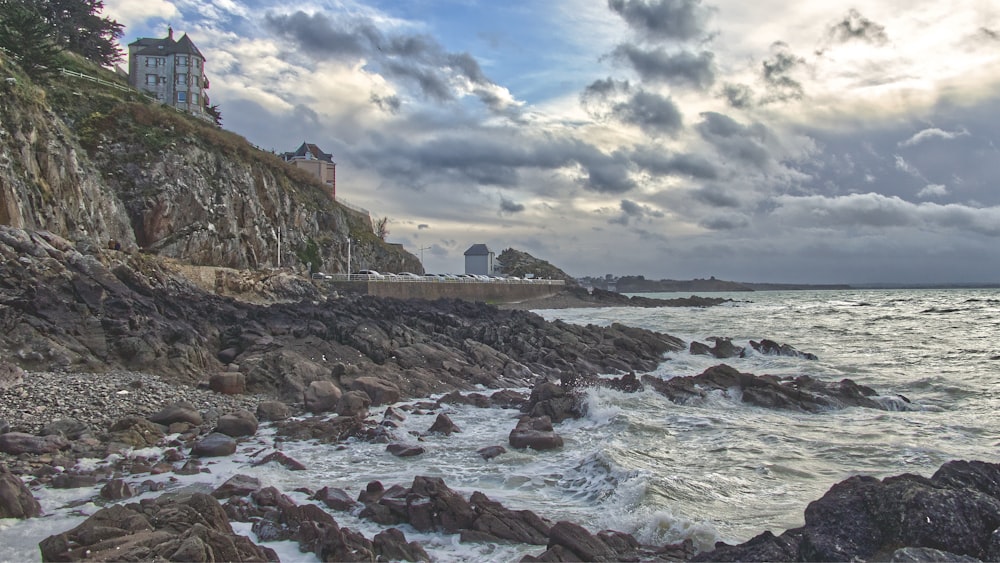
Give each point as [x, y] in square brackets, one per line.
[324, 430]
[391, 545]
[724, 348]
[273, 411]
[555, 402]
[16, 500]
[699, 349]
[508, 399]
[69, 428]
[490, 452]
[4, 426]
[228, 355]
[457, 398]
[380, 391]
[928, 555]
[449, 510]
[627, 383]
[580, 542]
[443, 425]
[535, 433]
[237, 486]
[215, 444]
[228, 383]
[117, 489]
[772, 348]
[354, 404]
[177, 412]
[392, 413]
[404, 450]
[237, 424]
[20, 443]
[321, 396]
[521, 526]
[343, 544]
[336, 499]
[282, 459]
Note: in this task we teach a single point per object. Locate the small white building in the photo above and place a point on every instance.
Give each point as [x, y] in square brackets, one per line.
[479, 260]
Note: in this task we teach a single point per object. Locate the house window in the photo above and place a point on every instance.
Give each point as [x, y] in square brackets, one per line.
[151, 79]
[148, 60]
[182, 79]
[182, 61]
[194, 99]
[182, 97]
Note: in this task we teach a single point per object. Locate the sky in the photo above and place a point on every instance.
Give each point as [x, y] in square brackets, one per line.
[769, 141]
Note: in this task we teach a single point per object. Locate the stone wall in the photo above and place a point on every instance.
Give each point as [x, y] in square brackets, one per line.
[486, 292]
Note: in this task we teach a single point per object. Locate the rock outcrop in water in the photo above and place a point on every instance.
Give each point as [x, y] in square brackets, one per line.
[953, 516]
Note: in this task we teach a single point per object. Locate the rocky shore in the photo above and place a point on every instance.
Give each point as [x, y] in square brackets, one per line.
[110, 357]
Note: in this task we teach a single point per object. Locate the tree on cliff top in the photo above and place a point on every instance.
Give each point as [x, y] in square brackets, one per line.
[32, 31]
[519, 263]
[27, 38]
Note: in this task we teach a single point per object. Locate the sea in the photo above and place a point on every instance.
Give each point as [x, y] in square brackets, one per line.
[710, 470]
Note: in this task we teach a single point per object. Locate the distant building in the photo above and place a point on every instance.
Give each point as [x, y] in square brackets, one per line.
[171, 71]
[312, 159]
[479, 260]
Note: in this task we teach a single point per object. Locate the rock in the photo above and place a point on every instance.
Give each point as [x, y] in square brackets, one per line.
[237, 486]
[215, 444]
[336, 499]
[69, 428]
[136, 432]
[228, 356]
[490, 452]
[580, 542]
[321, 396]
[282, 459]
[10, 375]
[555, 402]
[16, 500]
[404, 450]
[392, 413]
[724, 348]
[20, 443]
[353, 404]
[508, 399]
[443, 425]
[178, 412]
[535, 433]
[73, 480]
[863, 518]
[228, 383]
[521, 526]
[379, 390]
[117, 489]
[928, 555]
[391, 545]
[443, 508]
[273, 410]
[171, 527]
[772, 348]
[699, 349]
[237, 424]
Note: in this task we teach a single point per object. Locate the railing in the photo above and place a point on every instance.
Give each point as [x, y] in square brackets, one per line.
[353, 207]
[428, 279]
[102, 82]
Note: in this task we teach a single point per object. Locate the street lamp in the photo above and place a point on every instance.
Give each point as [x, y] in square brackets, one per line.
[348, 257]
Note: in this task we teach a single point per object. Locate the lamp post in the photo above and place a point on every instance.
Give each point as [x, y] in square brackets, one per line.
[422, 249]
[348, 257]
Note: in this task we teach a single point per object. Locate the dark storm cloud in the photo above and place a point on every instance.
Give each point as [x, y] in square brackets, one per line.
[508, 206]
[423, 226]
[716, 196]
[725, 221]
[682, 68]
[738, 96]
[989, 34]
[855, 27]
[744, 142]
[653, 113]
[493, 158]
[659, 162]
[389, 104]
[663, 19]
[417, 59]
[777, 74]
[632, 210]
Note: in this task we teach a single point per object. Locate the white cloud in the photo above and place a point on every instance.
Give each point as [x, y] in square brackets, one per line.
[130, 12]
[933, 190]
[932, 133]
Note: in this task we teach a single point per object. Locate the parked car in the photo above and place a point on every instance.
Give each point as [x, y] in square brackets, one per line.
[370, 274]
[410, 276]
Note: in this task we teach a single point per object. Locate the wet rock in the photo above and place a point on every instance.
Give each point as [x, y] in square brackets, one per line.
[273, 410]
[336, 499]
[237, 486]
[117, 489]
[228, 383]
[20, 443]
[443, 425]
[554, 401]
[490, 452]
[73, 480]
[16, 500]
[404, 450]
[457, 398]
[391, 545]
[237, 424]
[136, 432]
[508, 399]
[280, 458]
[380, 391]
[627, 383]
[392, 413]
[69, 428]
[522, 526]
[321, 396]
[353, 404]
[772, 348]
[182, 411]
[535, 433]
[215, 444]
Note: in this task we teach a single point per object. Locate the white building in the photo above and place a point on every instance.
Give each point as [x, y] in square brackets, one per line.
[479, 260]
[171, 71]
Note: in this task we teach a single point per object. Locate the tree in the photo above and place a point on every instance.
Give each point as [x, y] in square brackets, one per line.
[27, 37]
[78, 26]
[382, 227]
[214, 112]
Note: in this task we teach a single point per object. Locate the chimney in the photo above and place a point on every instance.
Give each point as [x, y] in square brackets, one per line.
[170, 33]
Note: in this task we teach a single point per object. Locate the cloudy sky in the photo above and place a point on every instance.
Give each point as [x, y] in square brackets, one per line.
[813, 141]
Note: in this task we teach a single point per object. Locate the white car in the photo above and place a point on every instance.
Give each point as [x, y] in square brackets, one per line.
[369, 275]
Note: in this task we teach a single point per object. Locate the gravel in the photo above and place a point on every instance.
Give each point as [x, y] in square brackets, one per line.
[100, 399]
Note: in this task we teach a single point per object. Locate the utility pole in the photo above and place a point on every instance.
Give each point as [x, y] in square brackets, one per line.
[422, 249]
[348, 257]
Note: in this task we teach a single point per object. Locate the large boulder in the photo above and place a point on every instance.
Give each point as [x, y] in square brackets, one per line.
[273, 410]
[182, 411]
[379, 390]
[215, 444]
[237, 424]
[16, 500]
[354, 404]
[443, 425]
[535, 433]
[321, 396]
[21, 443]
[69, 428]
[228, 383]
[136, 432]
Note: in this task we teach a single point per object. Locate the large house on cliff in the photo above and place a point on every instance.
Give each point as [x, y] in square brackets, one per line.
[312, 159]
[171, 71]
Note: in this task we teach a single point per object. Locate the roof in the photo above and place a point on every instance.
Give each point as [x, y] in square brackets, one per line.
[478, 250]
[307, 151]
[166, 46]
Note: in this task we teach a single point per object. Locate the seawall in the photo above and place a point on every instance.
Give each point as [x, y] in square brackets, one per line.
[486, 292]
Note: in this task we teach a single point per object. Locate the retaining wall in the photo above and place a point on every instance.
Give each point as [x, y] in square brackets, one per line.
[486, 292]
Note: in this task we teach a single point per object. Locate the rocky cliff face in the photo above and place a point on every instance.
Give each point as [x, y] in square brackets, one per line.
[91, 164]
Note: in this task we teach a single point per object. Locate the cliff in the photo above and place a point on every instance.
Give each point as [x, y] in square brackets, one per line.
[519, 263]
[91, 163]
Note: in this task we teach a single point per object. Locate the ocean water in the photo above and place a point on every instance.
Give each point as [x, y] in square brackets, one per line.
[711, 470]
